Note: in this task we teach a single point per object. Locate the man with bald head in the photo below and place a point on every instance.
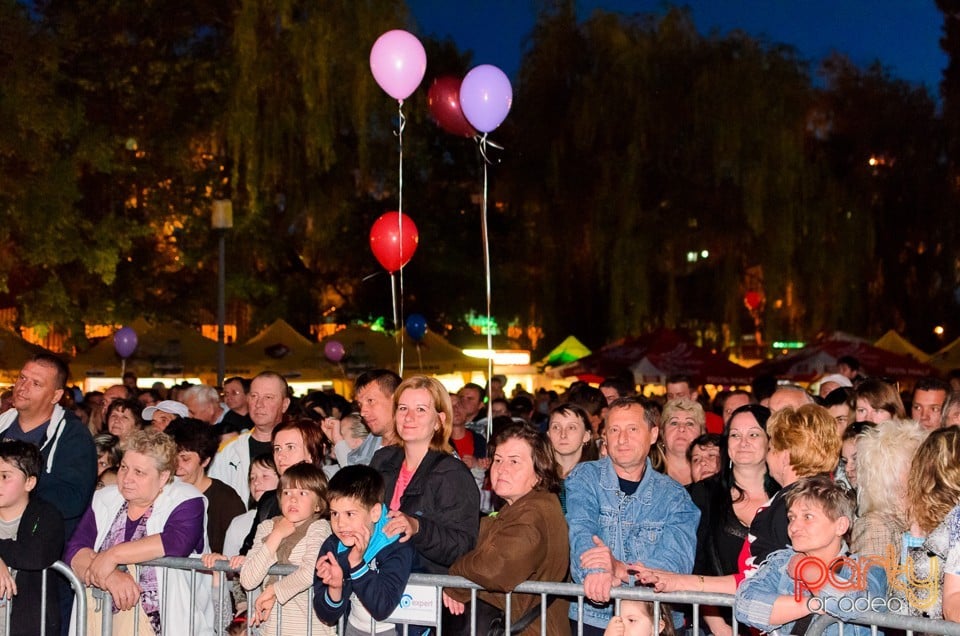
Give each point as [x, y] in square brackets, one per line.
[789, 395]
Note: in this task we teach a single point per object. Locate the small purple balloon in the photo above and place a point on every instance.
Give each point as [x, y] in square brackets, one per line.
[125, 342]
[486, 97]
[334, 350]
[398, 63]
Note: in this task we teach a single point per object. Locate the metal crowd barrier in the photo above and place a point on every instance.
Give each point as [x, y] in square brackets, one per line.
[75, 584]
[883, 620]
[570, 591]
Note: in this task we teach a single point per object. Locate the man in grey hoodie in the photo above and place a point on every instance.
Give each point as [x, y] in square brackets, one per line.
[69, 473]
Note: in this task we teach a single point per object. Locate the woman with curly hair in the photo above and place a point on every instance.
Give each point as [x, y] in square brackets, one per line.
[933, 492]
[884, 454]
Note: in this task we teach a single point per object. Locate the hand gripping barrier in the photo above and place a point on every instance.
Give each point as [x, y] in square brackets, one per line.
[545, 590]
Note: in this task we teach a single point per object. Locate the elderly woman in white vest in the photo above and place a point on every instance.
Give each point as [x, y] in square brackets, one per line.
[147, 515]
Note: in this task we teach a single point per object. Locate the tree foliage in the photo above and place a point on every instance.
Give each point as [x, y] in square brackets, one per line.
[651, 175]
[657, 145]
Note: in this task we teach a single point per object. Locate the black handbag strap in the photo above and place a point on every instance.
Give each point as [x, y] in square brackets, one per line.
[529, 617]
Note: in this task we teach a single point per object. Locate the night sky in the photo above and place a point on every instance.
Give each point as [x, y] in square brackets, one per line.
[903, 34]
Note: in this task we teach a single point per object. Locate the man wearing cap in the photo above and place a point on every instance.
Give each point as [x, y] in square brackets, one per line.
[833, 381]
[163, 413]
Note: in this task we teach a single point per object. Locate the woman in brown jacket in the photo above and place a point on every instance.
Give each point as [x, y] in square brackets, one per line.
[526, 541]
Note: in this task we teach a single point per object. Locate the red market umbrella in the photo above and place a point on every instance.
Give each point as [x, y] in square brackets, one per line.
[656, 356]
[809, 363]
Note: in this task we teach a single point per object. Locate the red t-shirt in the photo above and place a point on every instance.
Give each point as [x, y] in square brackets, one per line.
[403, 480]
[714, 423]
[464, 445]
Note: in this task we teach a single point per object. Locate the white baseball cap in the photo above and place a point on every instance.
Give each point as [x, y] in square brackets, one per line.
[167, 406]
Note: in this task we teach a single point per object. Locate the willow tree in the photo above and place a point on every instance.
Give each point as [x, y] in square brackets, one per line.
[654, 143]
[310, 137]
[887, 147]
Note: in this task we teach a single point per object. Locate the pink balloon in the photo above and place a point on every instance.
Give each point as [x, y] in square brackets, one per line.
[398, 63]
[334, 350]
[486, 97]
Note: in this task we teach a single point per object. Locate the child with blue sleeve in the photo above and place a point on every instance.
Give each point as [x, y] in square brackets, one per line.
[361, 572]
[815, 575]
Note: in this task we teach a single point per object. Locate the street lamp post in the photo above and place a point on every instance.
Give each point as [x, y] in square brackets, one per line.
[221, 221]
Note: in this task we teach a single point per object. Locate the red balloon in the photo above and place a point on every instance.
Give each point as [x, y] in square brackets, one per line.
[753, 300]
[443, 98]
[385, 240]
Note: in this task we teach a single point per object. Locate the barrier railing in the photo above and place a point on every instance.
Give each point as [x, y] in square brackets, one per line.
[882, 620]
[31, 604]
[570, 591]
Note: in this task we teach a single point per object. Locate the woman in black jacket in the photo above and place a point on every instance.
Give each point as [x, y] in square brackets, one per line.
[432, 496]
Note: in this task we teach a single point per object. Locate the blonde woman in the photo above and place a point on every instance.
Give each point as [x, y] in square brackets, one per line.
[167, 519]
[884, 454]
[681, 422]
[432, 496]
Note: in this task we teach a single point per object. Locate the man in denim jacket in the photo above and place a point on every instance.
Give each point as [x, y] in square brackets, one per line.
[622, 512]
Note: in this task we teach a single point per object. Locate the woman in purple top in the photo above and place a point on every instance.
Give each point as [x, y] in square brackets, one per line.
[147, 515]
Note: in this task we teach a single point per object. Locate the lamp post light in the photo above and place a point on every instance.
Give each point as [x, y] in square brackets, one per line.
[221, 221]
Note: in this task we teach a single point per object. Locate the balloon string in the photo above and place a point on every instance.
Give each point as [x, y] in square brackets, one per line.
[486, 267]
[484, 142]
[396, 323]
[393, 297]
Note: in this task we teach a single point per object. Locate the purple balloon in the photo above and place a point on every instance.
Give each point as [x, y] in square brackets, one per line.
[485, 97]
[125, 342]
[334, 350]
[398, 63]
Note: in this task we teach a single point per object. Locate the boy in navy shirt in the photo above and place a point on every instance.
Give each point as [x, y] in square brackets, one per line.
[361, 572]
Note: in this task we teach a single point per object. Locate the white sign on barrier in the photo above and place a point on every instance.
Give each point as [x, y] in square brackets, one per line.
[418, 606]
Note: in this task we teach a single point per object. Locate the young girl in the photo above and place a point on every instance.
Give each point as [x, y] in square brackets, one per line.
[292, 539]
[263, 478]
[636, 619]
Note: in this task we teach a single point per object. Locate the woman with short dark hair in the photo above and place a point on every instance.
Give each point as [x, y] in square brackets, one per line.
[526, 541]
[124, 417]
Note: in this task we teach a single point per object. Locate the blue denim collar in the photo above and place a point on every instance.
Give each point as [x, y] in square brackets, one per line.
[610, 481]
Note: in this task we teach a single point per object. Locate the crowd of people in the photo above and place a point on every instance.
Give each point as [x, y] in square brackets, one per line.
[797, 503]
